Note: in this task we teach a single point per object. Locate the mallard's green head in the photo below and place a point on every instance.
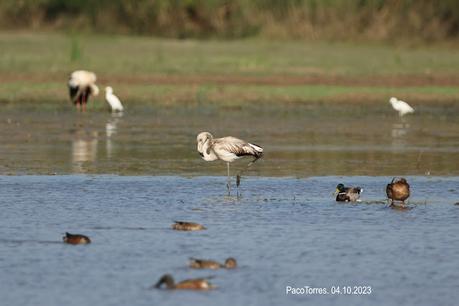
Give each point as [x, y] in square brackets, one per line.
[339, 188]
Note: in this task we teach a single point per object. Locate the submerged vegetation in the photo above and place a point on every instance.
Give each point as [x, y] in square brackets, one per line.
[376, 20]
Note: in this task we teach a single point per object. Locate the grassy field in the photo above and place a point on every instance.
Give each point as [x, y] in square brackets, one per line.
[35, 66]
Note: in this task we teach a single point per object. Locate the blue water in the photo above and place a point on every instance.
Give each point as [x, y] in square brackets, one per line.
[283, 232]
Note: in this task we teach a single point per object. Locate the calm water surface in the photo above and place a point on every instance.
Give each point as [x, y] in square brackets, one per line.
[283, 231]
[299, 140]
[123, 180]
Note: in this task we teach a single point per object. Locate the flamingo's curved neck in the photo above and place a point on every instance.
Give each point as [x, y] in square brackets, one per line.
[208, 153]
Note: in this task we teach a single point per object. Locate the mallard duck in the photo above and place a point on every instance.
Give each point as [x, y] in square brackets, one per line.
[76, 239]
[347, 194]
[398, 190]
[187, 226]
[188, 284]
[230, 263]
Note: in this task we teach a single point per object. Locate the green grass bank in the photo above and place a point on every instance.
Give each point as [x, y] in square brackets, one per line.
[34, 66]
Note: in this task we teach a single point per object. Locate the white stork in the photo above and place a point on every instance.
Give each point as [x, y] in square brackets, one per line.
[227, 149]
[401, 107]
[81, 84]
[113, 100]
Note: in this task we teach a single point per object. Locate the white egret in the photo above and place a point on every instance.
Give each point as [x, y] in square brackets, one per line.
[113, 100]
[401, 107]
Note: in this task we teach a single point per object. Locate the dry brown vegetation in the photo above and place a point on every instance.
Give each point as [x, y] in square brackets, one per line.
[376, 20]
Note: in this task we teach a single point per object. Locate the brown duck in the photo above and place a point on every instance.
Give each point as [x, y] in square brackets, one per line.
[76, 239]
[188, 284]
[230, 263]
[187, 226]
[398, 190]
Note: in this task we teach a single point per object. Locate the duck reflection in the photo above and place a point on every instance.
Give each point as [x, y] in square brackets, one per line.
[111, 128]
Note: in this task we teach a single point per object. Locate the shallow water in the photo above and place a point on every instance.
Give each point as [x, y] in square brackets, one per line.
[299, 140]
[283, 231]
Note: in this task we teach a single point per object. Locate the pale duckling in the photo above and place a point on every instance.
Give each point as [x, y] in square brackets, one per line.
[76, 239]
[347, 194]
[230, 263]
[398, 190]
[188, 284]
[187, 226]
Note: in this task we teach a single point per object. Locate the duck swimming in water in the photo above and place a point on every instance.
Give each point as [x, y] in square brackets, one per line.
[188, 284]
[347, 194]
[187, 226]
[76, 239]
[230, 263]
[398, 190]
